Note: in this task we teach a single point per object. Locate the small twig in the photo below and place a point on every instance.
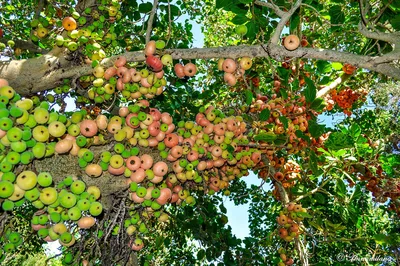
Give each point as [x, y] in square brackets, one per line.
[169, 23]
[151, 20]
[382, 10]
[315, 190]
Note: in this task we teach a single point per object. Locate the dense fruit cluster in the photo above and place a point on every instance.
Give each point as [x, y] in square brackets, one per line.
[377, 182]
[130, 82]
[71, 202]
[162, 162]
[10, 241]
[345, 99]
[289, 221]
[284, 119]
[283, 255]
[234, 69]
[91, 31]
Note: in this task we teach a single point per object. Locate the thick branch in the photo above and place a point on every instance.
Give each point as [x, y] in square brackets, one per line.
[51, 70]
[382, 36]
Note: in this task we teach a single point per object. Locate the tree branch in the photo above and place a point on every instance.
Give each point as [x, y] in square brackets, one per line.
[386, 37]
[284, 19]
[271, 5]
[26, 45]
[325, 90]
[51, 70]
[151, 20]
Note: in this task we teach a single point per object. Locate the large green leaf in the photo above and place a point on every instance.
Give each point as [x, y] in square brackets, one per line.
[145, 7]
[265, 114]
[380, 239]
[267, 137]
[340, 188]
[337, 16]
[252, 29]
[284, 121]
[355, 131]
[239, 19]
[223, 3]
[396, 22]
[249, 97]
[294, 22]
[313, 162]
[324, 66]
[310, 91]
[339, 140]
[318, 104]
[315, 129]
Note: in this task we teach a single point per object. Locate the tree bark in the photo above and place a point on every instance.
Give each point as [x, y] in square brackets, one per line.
[48, 71]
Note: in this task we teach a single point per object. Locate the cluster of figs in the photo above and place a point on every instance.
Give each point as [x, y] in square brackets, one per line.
[131, 82]
[289, 223]
[162, 162]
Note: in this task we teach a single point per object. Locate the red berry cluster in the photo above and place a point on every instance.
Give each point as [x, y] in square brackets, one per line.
[345, 99]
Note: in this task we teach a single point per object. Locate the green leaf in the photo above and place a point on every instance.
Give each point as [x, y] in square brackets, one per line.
[380, 239]
[252, 29]
[175, 11]
[339, 140]
[310, 91]
[337, 66]
[301, 135]
[222, 208]
[230, 148]
[324, 66]
[355, 131]
[318, 104]
[294, 22]
[337, 15]
[249, 97]
[159, 241]
[283, 74]
[223, 3]
[396, 22]
[283, 93]
[313, 162]
[284, 121]
[201, 254]
[320, 198]
[340, 188]
[315, 129]
[315, 225]
[339, 153]
[265, 114]
[325, 80]
[267, 137]
[356, 194]
[246, 1]
[303, 215]
[145, 7]
[239, 19]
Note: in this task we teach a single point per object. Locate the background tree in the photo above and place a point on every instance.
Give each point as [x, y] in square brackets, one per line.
[136, 172]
